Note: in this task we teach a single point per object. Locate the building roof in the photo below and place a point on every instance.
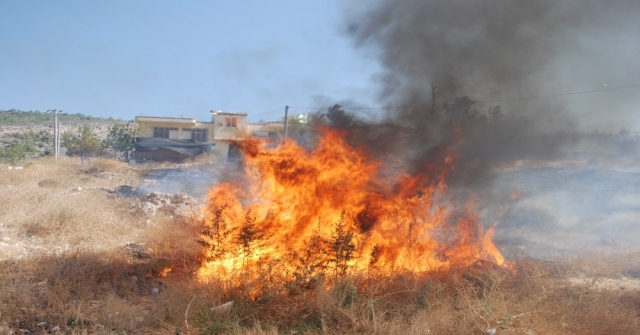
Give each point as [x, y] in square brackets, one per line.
[221, 112]
[165, 119]
[268, 123]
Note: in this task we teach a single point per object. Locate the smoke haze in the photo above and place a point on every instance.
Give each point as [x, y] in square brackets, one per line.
[488, 53]
[493, 50]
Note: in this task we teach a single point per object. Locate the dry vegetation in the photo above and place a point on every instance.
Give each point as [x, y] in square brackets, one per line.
[76, 259]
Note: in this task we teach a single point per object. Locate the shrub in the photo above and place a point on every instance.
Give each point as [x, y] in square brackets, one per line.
[16, 151]
[85, 144]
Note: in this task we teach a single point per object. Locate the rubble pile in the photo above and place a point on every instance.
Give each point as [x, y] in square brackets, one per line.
[182, 207]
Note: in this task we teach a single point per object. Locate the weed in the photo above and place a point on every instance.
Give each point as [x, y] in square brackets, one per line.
[343, 247]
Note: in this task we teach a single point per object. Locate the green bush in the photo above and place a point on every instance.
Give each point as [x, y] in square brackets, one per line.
[17, 151]
[85, 144]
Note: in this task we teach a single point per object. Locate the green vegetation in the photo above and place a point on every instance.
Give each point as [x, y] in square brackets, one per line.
[18, 117]
[39, 137]
[338, 118]
[23, 144]
[121, 138]
[16, 151]
[85, 144]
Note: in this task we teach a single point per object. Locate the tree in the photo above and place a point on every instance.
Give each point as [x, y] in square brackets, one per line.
[627, 142]
[86, 144]
[463, 109]
[121, 138]
[338, 117]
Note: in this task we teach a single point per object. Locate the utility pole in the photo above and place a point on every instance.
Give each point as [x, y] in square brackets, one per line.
[434, 87]
[58, 139]
[286, 121]
[56, 133]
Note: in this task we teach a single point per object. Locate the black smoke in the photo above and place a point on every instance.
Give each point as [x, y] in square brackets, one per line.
[479, 53]
[500, 68]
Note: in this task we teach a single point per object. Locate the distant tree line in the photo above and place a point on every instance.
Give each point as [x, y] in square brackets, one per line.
[17, 117]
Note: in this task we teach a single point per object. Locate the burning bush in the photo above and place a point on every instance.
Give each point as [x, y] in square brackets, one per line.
[299, 216]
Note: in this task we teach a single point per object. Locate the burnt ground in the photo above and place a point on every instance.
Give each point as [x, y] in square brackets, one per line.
[192, 179]
[559, 210]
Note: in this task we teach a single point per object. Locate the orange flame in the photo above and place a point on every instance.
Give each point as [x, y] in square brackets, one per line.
[332, 207]
[164, 272]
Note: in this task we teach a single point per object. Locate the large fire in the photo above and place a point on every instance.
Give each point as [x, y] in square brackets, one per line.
[336, 210]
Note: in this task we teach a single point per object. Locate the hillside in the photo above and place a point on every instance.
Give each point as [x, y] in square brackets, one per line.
[34, 129]
[19, 117]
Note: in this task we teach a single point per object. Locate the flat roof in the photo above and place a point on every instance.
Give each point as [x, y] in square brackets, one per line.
[221, 112]
[267, 122]
[165, 119]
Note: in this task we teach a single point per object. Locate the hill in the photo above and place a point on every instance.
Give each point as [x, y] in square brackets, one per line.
[19, 117]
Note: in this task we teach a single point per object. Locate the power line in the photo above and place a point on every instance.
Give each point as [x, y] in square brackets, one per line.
[273, 111]
[486, 101]
[562, 94]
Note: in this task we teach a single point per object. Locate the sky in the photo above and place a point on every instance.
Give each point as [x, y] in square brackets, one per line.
[122, 59]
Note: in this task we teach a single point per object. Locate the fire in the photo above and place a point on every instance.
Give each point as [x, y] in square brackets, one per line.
[335, 210]
[164, 272]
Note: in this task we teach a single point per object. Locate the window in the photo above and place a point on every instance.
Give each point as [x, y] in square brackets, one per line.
[199, 135]
[232, 122]
[162, 132]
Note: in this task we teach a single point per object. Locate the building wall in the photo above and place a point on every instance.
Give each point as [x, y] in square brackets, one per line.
[183, 130]
[220, 148]
[220, 131]
[225, 128]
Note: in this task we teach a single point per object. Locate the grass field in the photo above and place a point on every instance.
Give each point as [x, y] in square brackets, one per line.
[76, 259]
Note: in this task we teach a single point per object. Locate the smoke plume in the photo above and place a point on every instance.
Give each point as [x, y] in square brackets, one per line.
[492, 50]
[480, 53]
[501, 70]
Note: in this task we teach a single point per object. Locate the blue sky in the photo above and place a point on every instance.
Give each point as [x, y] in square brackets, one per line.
[178, 58]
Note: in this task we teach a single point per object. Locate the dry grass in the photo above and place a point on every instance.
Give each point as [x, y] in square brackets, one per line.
[82, 262]
[100, 165]
[52, 207]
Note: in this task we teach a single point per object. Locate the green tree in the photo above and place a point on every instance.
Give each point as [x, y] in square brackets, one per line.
[304, 130]
[121, 138]
[338, 118]
[16, 151]
[343, 247]
[85, 144]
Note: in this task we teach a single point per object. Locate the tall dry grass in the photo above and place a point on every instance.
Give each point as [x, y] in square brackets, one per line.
[112, 293]
[53, 206]
[80, 262]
